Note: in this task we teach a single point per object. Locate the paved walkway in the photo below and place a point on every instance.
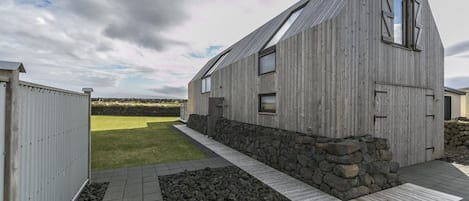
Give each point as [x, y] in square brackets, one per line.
[141, 183]
[440, 176]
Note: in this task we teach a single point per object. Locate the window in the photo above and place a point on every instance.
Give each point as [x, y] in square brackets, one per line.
[267, 103]
[399, 22]
[207, 81]
[267, 63]
[286, 25]
[206, 84]
[267, 57]
[215, 66]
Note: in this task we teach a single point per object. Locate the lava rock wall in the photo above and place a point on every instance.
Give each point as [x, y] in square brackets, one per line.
[457, 134]
[198, 123]
[345, 168]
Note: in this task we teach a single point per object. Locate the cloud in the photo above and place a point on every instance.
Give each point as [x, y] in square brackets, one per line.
[458, 48]
[170, 91]
[142, 22]
[207, 53]
[122, 47]
[457, 82]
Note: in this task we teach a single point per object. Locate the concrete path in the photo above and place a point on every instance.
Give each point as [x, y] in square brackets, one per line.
[286, 185]
[440, 176]
[141, 183]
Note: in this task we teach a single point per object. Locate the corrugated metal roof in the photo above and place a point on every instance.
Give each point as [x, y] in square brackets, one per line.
[455, 91]
[8, 65]
[314, 13]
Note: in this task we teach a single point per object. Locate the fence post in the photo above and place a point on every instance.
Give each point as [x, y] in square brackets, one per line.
[88, 92]
[9, 72]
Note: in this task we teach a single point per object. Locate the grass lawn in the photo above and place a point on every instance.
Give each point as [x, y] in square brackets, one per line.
[119, 141]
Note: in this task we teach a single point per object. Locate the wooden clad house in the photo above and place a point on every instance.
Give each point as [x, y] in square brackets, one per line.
[337, 68]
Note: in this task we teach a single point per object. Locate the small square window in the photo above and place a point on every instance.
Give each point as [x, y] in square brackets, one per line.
[268, 103]
[267, 63]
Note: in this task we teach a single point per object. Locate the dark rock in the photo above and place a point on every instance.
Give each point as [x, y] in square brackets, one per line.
[303, 160]
[379, 167]
[385, 155]
[346, 171]
[346, 159]
[379, 179]
[393, 167]
[304, 140]
[356, 192]
[374, 188]
[93, 192]
[306, 173]
[317, 177]
[366, 179]
[229, 183]
[338, 183]
[325, 188]
[343, 148]
[325, 166]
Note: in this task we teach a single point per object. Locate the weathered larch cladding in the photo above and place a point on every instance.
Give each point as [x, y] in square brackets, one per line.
[331, 67]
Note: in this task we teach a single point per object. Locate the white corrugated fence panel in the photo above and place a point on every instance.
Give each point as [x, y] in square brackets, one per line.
[53, 143]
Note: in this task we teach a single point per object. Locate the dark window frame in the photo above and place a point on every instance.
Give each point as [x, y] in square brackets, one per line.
[260, 103]
[268, 51]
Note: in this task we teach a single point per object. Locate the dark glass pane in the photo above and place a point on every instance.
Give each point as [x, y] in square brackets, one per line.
[267, 63]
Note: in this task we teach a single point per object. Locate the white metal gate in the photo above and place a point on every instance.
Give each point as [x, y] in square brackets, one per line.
[53, 143]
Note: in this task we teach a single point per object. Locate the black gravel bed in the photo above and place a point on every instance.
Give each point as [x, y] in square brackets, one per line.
[228, 183]
[93, 192]
[458, 155]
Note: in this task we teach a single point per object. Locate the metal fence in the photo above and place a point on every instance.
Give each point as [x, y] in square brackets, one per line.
[44, 138]
[53, 143]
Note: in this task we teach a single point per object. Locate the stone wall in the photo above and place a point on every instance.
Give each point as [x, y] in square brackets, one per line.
[457, 134]
[198, 123]
[121, 110]
[345, 168]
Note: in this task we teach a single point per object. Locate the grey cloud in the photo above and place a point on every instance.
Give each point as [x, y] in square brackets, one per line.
[141, 22]
[457, 48]
[170, 91]
[457, 82]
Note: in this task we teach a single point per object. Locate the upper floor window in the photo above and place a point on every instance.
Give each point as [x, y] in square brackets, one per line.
[267, 57]
[400, 22]
[286, 25]
[267, 62]
[207, 80]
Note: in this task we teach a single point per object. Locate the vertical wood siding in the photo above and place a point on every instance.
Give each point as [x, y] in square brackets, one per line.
[326, 78]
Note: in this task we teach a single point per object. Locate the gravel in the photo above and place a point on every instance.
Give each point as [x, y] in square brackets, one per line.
[456, 155]
[93, 192]
[228, 183]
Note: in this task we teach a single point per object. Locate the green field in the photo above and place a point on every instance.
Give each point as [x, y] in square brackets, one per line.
[119, 141]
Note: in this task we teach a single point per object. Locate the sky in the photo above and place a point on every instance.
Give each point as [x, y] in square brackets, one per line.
[153, 48]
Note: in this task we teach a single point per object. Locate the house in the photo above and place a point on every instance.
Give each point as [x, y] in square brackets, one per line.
[455, 103]
[335, 68]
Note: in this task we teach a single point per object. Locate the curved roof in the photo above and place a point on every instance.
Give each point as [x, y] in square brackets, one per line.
[314, 13]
